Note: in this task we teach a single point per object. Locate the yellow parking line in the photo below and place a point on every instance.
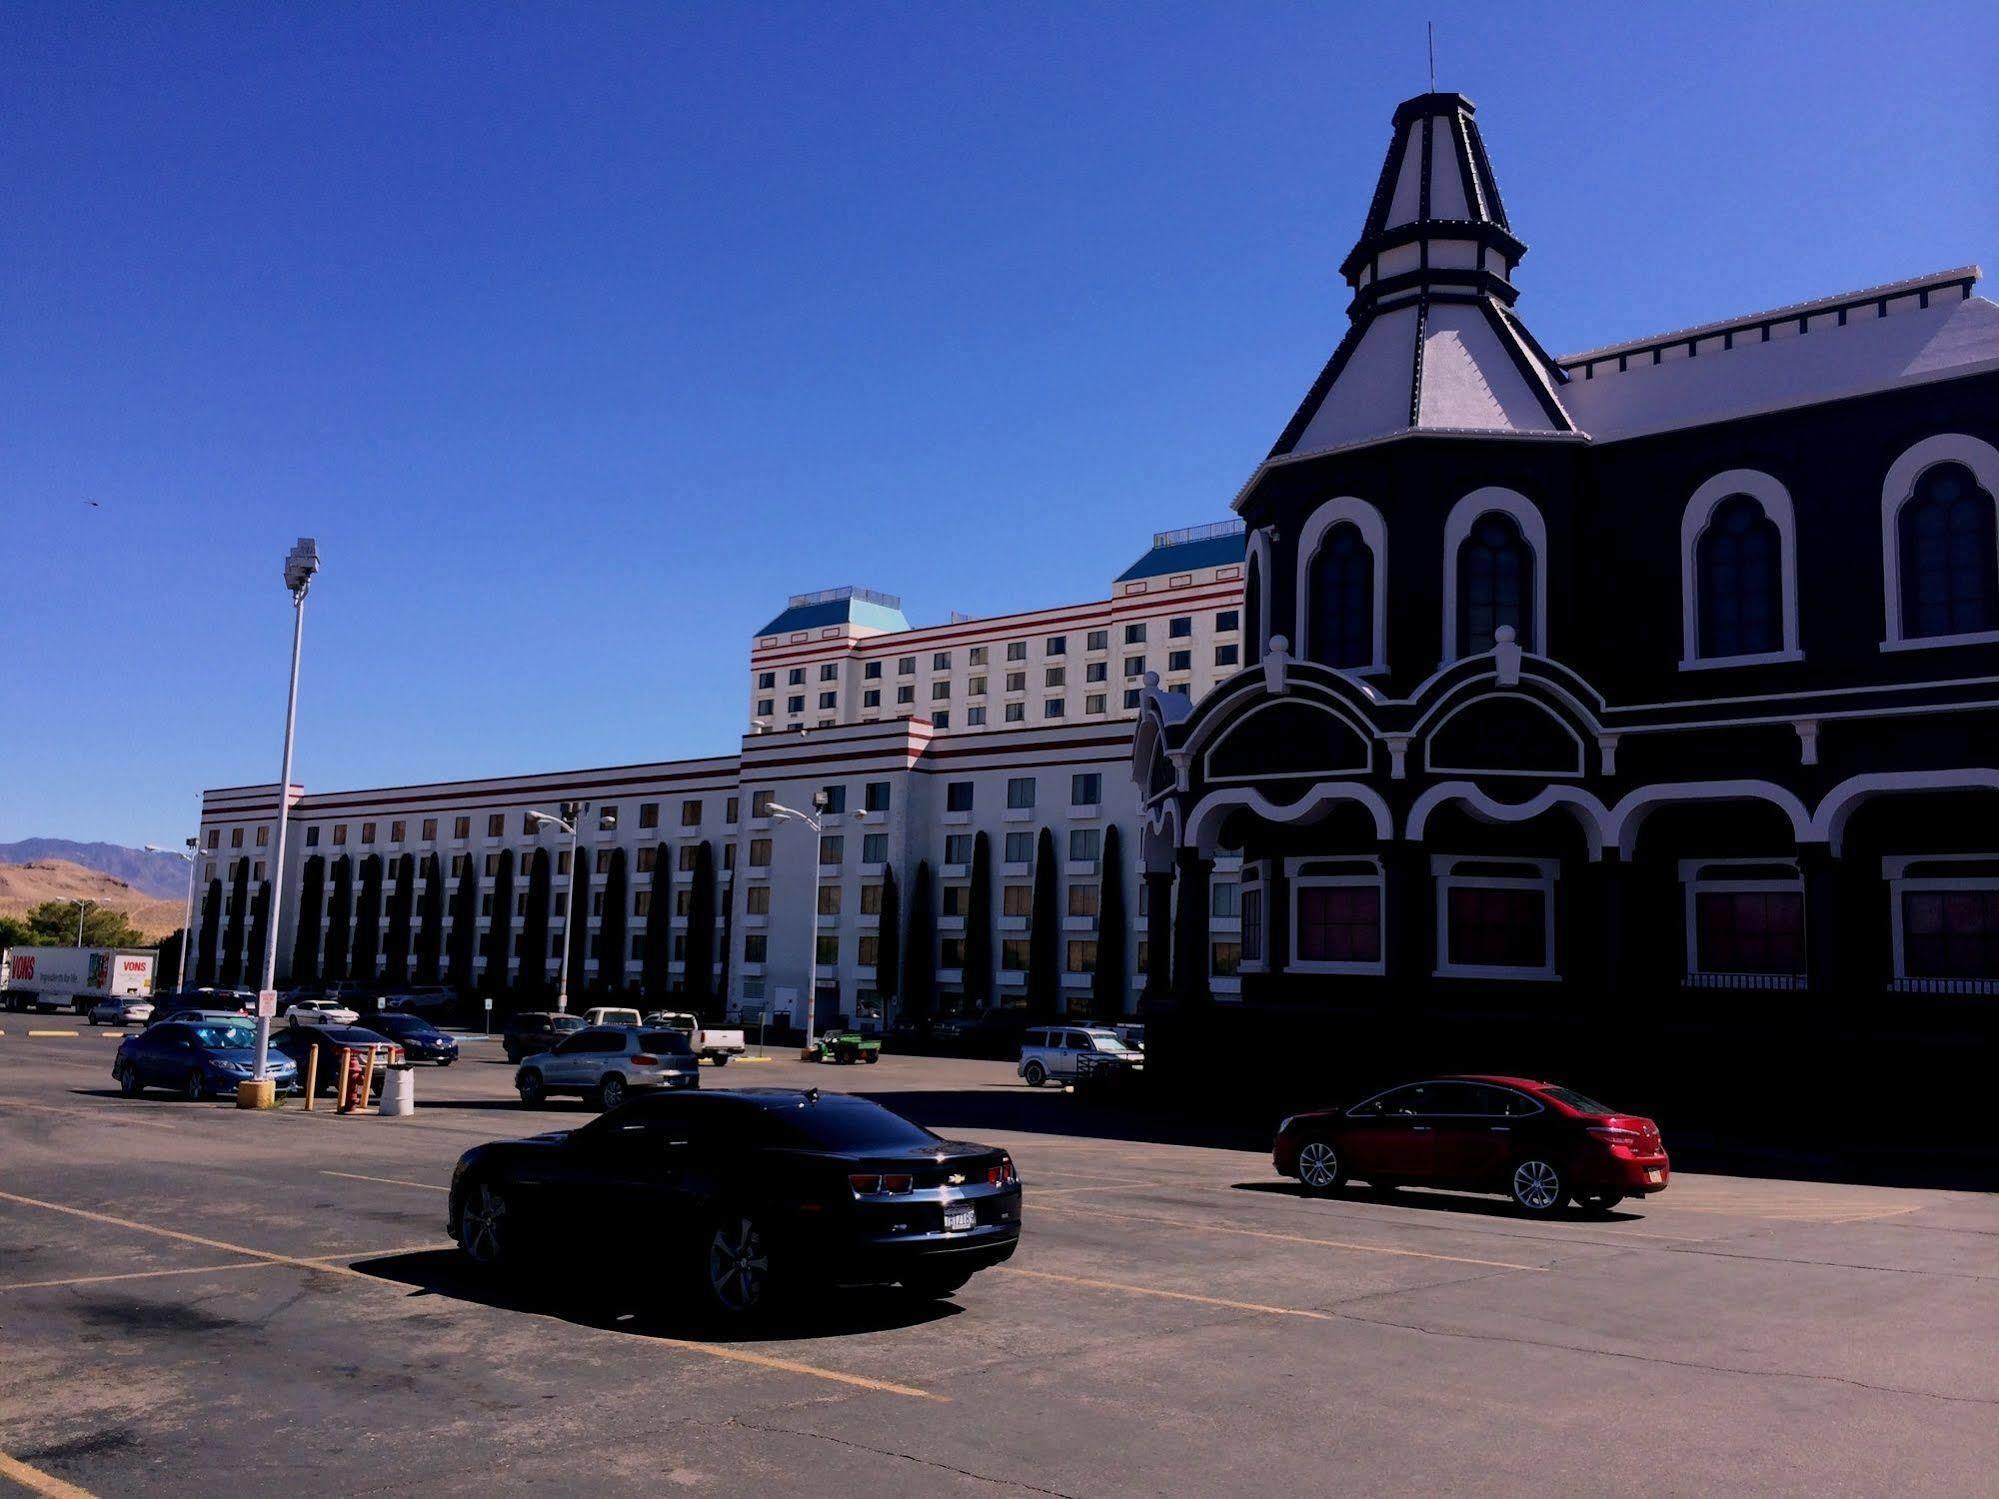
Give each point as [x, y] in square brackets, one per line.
[70, 1034]
[35, 1481]
[93, 1280]
[1259, 1233]
[185, 1238]
[788, 1366]
[1113, 1285]
[387, 1181]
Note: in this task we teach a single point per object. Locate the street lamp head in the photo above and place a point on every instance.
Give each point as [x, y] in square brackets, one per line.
[301, 562]
[819, 800]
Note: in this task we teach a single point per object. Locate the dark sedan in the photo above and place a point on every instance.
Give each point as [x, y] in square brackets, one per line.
[420, 1040]
[197, 1059]
[532, 1032]
[1539, 1143]
[333, 1042]
[754, 1194]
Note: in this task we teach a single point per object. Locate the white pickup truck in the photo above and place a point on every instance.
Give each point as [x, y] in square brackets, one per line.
[717, 1046]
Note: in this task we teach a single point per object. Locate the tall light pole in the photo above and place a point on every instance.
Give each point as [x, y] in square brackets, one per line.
[81, 907]
[792, 814]
[192, 856]
[573, 812]
[300, 565]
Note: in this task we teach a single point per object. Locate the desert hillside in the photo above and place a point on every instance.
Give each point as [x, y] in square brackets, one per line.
[23, 886]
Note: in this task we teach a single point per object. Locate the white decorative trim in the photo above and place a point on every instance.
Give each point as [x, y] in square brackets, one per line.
[1896, 491]
[1533, 530]
[1204, 822]
[1344, 510]
[1296, 880]
[1893, 870]
[1695, 880]
[1776, 502]
[1360, 736]
[1808, 740]
[1429, 761]
[1828, 823]
[1589, 812]
[1257, 550]
[1625, 819]
[1443, 870]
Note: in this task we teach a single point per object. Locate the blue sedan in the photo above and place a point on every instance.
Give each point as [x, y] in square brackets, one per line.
[197, 1059]
[421, 1041]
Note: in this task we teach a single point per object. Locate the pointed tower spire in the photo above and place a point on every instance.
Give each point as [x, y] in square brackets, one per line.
[1434, 343]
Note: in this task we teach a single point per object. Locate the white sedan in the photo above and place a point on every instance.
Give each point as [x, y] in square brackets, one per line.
[320, 1012]
[121, 1009]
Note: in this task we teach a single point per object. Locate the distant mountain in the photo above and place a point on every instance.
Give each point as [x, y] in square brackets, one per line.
[162, 875]
[25, 886]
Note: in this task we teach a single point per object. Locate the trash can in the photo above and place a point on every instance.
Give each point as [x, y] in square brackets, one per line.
[399, 1089]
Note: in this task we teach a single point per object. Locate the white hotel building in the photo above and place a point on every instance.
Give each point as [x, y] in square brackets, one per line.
[921, 738]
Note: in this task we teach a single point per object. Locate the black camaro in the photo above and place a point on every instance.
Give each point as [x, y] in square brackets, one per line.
[752, 1193]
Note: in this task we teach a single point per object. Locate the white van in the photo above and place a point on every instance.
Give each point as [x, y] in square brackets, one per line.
[611, 1015]
[1055, 1051]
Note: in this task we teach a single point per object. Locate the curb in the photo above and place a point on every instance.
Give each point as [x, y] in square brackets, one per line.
[52, 1033]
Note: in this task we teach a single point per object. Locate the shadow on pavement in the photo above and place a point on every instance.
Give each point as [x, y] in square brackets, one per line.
[1432, 1202]
[648, 1310]
[1049, 1111]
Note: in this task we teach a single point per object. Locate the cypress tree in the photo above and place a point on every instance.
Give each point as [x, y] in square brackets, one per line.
[169, 959]
[464, 944]
[364, 964]
[430, 937]
[232, 935]
[1107, 983]
[657, 949]
[305, 937]
[500, 931]
[402, 905]
[979, 926]
[611, 945]
[1044, 958]
[260, 930]
[888, 945]
[919, 954]
[533, 981]
[211, 916]
[724, 946]
[575, 955]
[699, 975]
[339, 920]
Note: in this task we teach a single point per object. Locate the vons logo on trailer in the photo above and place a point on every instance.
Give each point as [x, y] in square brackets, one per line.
[21, 969]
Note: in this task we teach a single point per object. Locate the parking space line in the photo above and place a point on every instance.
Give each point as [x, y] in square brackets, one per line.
[35, 1481]
[70, 1034]
[387, 1181]
[1113, 1285]
[789, 1366]
[1259, 1233]
[94, 1280]
[185, 1238]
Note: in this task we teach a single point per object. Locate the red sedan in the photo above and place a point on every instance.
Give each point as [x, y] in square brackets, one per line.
[1539, 1143]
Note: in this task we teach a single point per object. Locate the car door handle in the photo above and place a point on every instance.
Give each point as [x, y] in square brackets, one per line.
[1502, 1129]
[1421, 1129]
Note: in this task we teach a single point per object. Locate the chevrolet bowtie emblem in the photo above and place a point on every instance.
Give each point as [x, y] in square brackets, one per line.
[955, 1179]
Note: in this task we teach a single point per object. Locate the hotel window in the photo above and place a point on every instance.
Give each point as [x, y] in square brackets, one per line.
[528, 826]
[496, 827]
[1225, 900]
[836, 797]
[1745, 925]
[646, 859]
[1945, 916]
[430, 830]
[603, 861]
[1495, 584]
[1252, 924]
[1082, 957]
[1339, 625]
[1020, 848]
[1179, 660]
[683, 899]
[866, 951]
[1020, 791]
[877, 796]
[457, 865]
[257, 870]
[596, 903]
[1097, 640]
[958, 848]
[1086, 789]
[940, 718]
[1224, 959]
[1013, 955]
[1016, 713]
[1053, 707]
[766, 706]
[760, 853]
[678, 948]
[236, 837]
[871, 698]
[939, 690]
[794, 704]
[829, 672]
[1227, 655]
[1096, 671]
[766, 680]
[1949, 561]
[906, 693]
[795, 677]
[690, 852]
[492, 865]
[940, 660]
[1180, 627]
[215, 837]
[1739, 580]
[461, 827]
[1335, 916]
[1057, 645]
[1084, 844]
[1496, 918]
[976, 717]
[951, 953]
[607, 819]
[1227, 620]
[1134, 666]
[755, 945]
[1095, 703]
[871, 671]
[1135, 634]
[730, 809]
[1016, 681]
[264, 836]
[1016, 650]
[648, 815]
[828, 699]
[871, 900]
[958, 796]
[957, 898]
[1082, 900]
[562, 861]
[976, 655]
[486, 905]
[829, 900]
[1055, 676]
[976, 687]
[756, 900]
[1131, 697]
[312, 837]
[1017, 900]
[874, 848]
[905, 666]
[832, 848]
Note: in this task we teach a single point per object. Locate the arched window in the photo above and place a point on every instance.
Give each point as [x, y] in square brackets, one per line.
[1495, 584]
[1949, 561]
[1340, 621]
[1252, 611]
[1740, 591]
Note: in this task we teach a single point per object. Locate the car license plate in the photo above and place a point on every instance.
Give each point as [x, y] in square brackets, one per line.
[957, 1219]
[1654, 1174]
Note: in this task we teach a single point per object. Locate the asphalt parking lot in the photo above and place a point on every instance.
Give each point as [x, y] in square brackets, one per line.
[194, 1300]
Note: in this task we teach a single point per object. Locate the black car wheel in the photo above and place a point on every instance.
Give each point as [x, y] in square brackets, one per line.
[719, 1061]
[485, 1232]
[1539, 1187]
[735, 1263]
[1600, 1202]
[1035, 1074]
[128, 1079]
[1320, 1169]
[531, 1091]
[191, 1087]
[513, 1055]
[610, 1093]
[932, 1285]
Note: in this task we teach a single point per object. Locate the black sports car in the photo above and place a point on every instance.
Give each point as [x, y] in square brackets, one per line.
[753, 1194]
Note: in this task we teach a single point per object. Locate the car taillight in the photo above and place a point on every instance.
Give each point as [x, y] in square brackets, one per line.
[867, 1185]
[897, 1183]
[1003, 1174]
[642, 1060]
[1617, 1139]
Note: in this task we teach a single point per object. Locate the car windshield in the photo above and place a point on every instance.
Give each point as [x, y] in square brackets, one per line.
[350, 1035]
[1106, 1041]
[852, 1124]
[407, 1025]
[566, 1023]
[219, 1034]
[1582, 1103]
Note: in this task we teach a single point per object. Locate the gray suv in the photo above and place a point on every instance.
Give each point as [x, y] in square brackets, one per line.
[606, 1063]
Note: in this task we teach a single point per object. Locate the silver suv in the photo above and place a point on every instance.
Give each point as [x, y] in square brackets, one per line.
[604, 1063]
[1064, 1051]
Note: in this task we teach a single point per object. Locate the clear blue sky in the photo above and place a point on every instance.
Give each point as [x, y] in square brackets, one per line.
[581, 335]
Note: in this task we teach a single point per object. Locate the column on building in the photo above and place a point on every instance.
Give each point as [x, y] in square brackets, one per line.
[1190, 928]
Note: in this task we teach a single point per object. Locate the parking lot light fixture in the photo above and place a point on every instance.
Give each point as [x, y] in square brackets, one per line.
[569, 822]
[191, 857]
[782, 813]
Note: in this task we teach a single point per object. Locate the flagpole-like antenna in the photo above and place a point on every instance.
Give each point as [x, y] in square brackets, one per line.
[1432, 26]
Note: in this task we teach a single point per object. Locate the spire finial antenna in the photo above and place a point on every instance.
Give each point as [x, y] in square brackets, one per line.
[1432, 27]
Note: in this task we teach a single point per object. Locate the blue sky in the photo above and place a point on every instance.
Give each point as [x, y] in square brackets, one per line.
[580, 336]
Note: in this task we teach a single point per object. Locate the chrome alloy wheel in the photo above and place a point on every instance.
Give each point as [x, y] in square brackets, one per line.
[1319, 1166]
[738, 1265]
[1537, 1186]
[482, 1225]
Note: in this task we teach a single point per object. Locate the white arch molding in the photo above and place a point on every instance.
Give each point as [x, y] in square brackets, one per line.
[1363, 735]
[1838, 805]
[1533, 531]
[1588, 811]
[1445, 713]
[1634, 807]
[1344, 510]
[1258, 552]
[1776, 502]
[1204, 822]
[1896, 491]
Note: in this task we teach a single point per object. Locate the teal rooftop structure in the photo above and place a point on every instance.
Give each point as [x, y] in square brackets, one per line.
[863, 608]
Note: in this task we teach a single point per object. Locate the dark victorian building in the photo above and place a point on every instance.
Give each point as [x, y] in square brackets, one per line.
[1634, 713]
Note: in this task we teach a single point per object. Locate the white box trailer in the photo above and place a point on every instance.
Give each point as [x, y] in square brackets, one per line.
[75, 978]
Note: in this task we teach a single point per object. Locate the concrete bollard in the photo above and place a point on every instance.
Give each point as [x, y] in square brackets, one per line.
[399, 1091]
[257, 1093]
